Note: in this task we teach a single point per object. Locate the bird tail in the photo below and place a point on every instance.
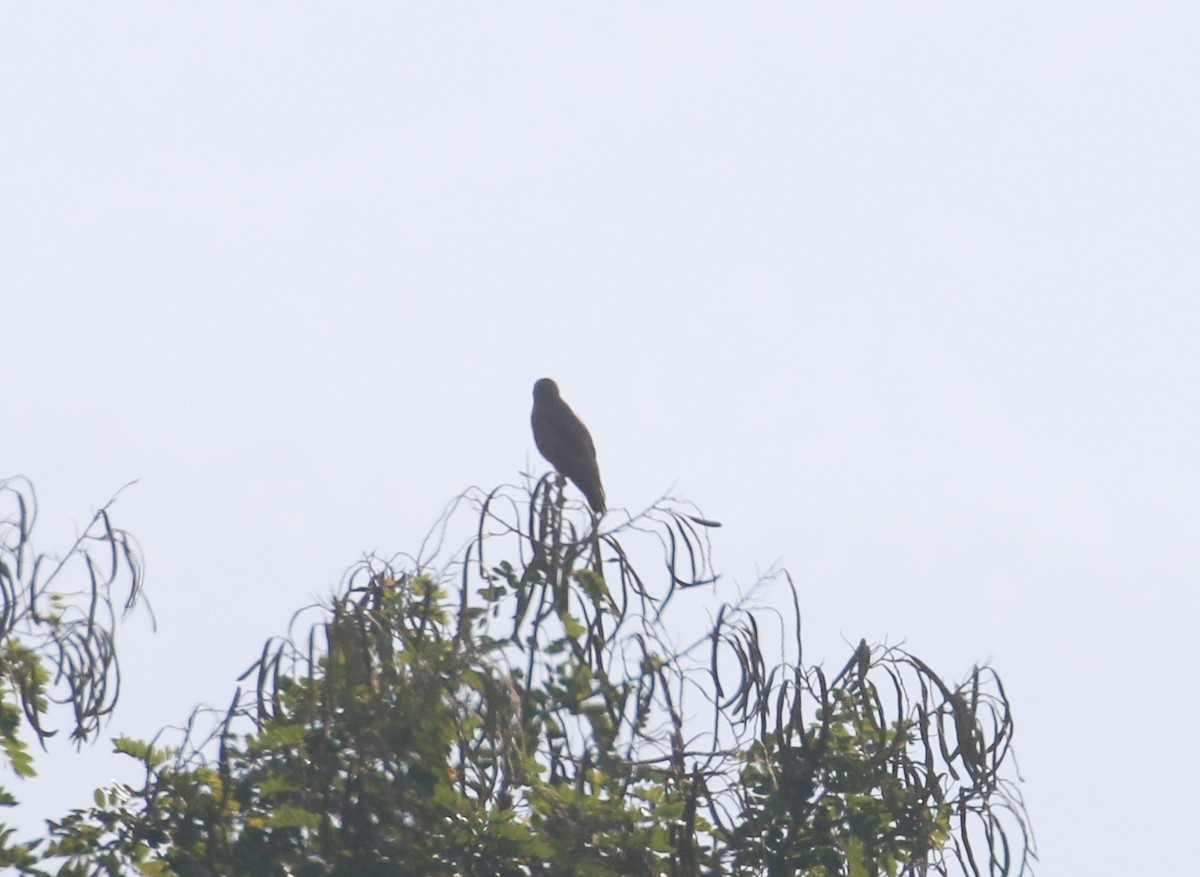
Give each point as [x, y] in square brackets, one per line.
[595, 497]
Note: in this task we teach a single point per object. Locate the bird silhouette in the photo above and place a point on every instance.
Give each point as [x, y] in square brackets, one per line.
[564, 441]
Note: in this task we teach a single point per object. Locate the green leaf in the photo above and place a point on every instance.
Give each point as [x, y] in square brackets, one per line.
[19, 757]
[290, 816]
[575, 628]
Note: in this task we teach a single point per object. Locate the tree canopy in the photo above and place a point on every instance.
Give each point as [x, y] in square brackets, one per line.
[57, 617]
[523, 705]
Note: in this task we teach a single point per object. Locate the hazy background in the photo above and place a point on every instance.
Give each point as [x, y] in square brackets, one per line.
[906, 295]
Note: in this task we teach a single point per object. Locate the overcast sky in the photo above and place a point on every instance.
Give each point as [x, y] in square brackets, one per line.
[906, 295]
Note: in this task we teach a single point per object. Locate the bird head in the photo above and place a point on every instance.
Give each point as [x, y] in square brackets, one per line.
[545, 389]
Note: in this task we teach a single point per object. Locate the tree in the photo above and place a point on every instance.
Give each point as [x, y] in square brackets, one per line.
[521, 707]
[57, 619]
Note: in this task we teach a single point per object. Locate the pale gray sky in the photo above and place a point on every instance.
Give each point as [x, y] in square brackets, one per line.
[905, 295]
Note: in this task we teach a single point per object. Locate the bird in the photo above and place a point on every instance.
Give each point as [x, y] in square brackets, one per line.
[565, 442]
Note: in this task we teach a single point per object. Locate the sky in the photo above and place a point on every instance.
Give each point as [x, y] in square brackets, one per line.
[905, 295]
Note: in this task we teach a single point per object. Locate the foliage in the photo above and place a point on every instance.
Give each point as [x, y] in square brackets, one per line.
[57, 620]
[524, 708]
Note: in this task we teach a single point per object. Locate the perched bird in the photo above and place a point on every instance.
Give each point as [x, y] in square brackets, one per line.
[562, 439]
